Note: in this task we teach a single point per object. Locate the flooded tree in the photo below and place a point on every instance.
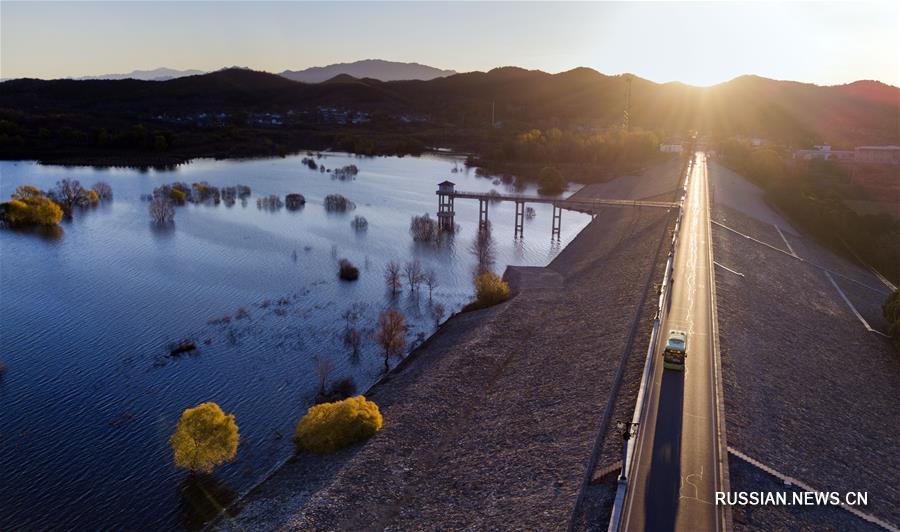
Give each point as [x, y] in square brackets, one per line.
[348, 272]
[323, 370]
[483, 250]
[391, 335]
[338, 203]
[29, 206]
[359, 223]
[346, 173]
[424, 228]
[204, 438]
[437, 313]
[103, 190]
[353, 340]
[271, 202]
[294, 201]
[162, 211]
[431, 281]
[68, 193]
[412, 270]
[392, 276]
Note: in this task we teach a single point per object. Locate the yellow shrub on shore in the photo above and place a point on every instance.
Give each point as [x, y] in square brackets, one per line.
[330, 427]
[205, 437]
[29, 206]
[490, 289]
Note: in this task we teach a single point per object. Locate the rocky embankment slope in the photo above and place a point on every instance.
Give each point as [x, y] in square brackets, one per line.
[490, 424]
[809, 391]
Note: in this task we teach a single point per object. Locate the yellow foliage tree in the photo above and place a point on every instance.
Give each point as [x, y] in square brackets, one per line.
[29, 206]
[329, 427]
[177, 196]
[490, 289]
[205, 437]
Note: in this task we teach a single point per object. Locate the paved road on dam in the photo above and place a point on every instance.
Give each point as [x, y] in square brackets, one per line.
[679, 456]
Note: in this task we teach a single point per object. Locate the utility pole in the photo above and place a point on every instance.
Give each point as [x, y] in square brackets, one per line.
[626, 122]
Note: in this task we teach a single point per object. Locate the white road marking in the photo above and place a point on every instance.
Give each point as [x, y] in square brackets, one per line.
[806, 487]
[786, 243]
[726, 268]
[852, 308]
[801, 259]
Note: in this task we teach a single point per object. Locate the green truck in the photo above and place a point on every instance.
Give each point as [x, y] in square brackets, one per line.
[675, 351]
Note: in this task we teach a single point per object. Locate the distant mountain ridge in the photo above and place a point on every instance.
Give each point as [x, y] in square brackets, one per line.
[369, 68]
[859, 113]
[157, 74]
[377, 69]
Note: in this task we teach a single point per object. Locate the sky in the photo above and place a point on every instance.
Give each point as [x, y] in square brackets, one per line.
[700, 43]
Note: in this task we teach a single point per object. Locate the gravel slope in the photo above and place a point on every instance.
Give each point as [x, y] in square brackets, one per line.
[808, 390]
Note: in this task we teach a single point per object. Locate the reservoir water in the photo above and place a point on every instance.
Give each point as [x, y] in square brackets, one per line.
[90, 395]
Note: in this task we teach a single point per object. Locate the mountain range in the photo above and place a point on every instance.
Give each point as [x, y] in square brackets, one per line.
[157, 74]
[863, 112]
[367, 68]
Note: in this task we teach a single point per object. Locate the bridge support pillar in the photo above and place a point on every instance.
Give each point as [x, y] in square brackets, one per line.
[557, 222]
[445, 212]
[482, 214]
[520, 219]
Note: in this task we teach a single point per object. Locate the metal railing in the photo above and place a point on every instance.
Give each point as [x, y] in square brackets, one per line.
[649, 364]
[557, 201]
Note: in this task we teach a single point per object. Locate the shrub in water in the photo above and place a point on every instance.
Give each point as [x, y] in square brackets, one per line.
[178, 196]
[359, 223]
[348, 272]
[162, 211]
[294, 201]
[205, 437]
[330, 427]
[337, 202]
[490, 289]
[424, 228]
[104, 191]
[29, 206]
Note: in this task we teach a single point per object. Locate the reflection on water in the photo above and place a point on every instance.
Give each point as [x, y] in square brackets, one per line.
[47, 233]
[202, 498]
[87, 311]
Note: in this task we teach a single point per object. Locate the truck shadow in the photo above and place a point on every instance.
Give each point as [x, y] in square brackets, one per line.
[661, 499]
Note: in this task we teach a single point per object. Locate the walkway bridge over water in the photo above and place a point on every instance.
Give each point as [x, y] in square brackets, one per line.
[447, 195]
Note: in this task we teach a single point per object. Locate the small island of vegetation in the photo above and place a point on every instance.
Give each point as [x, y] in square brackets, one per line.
[29, 206]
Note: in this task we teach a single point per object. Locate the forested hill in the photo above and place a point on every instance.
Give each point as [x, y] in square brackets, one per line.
[864, 112]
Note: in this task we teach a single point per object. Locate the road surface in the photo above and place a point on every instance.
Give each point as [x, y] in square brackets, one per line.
[678, 457]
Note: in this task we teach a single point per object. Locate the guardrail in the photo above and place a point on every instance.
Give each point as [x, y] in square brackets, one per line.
[560, 202]
[649, 364]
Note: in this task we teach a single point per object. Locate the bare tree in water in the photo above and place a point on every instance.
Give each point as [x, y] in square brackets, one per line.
[431, 281]
[323, 370]
[161, 210]
[391, 335]
[437, 313]
[483, 250]
[68, 192]
[413, 272]
[392, 276]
